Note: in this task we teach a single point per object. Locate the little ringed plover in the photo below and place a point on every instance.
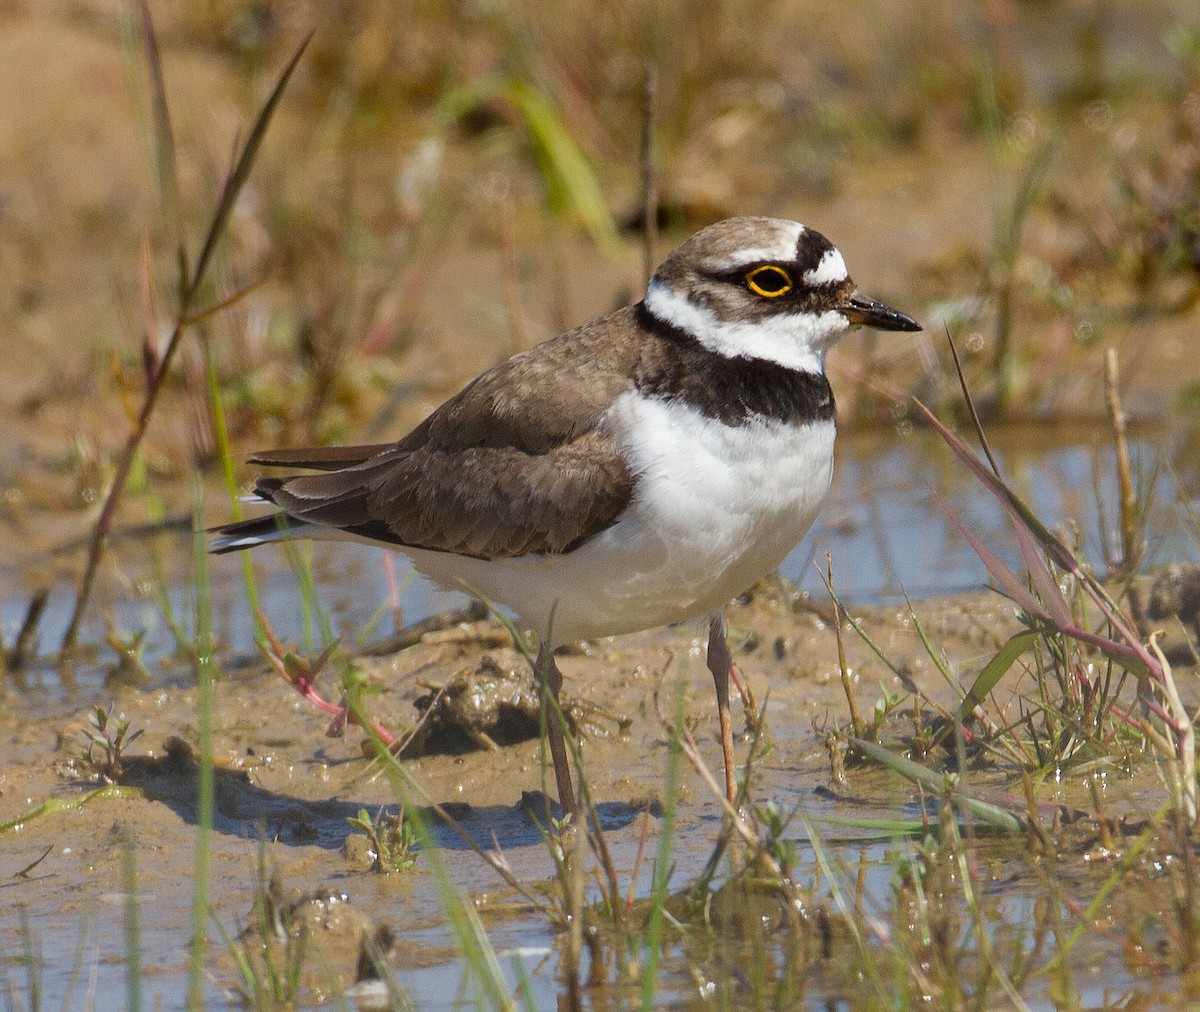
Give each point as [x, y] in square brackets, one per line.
[640, 470]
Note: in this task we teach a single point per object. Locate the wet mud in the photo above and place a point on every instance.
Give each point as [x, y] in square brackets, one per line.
[285, 795]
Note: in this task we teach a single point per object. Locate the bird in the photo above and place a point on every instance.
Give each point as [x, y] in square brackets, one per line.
[638, 471]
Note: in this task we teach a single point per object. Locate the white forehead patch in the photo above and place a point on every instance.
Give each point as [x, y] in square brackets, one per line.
[832, 268]
[783, 247]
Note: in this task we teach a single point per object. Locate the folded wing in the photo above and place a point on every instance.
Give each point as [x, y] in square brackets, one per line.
[517, 462]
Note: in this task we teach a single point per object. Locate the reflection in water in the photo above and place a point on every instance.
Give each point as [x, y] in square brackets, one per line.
[888, 534]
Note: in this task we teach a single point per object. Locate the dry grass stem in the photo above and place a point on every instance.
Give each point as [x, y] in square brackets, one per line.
[649, 173]
[191, 285]
[1183, 768]
[839, 616]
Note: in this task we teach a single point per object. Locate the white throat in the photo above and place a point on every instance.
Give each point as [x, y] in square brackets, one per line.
[795, 341]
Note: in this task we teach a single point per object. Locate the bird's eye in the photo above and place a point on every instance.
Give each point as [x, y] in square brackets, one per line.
[769, 281]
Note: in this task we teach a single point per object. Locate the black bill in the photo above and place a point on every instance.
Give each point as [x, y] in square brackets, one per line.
[872, 313]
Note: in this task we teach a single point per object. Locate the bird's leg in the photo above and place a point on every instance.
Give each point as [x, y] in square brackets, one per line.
[301, 674]
[720, 663]
[550, 683]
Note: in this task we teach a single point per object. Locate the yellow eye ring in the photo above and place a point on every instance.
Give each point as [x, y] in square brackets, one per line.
[769, 281]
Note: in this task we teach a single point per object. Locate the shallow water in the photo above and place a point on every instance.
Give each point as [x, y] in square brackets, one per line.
[883, 526]
[887, 536]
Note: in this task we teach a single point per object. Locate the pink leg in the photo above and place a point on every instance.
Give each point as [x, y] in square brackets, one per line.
[340, 713]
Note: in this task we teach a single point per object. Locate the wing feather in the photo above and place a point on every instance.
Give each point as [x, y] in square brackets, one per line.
[318, 458]
[518, 462]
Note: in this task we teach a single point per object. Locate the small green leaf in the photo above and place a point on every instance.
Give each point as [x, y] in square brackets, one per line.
[993, 815]
[994, 670]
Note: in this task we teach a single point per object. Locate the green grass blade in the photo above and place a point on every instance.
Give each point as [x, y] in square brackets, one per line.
[846, 909]
[659, 893]
[133, 941]
[888, 827]
[994, 670]
[1129, 860]
[241, 170]
[474, 946]
[314, 618]
[993, 815]
[937, 660]
[221, 437]
[205, 677]
[52, 806]
[31, 959]
[860, 631]
[571, 183]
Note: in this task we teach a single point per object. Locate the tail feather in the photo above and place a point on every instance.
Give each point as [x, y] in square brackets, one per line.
[257, 531]
[319, 458]
[279, 526]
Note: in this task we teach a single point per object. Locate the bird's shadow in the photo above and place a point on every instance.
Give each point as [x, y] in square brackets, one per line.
[243, 809]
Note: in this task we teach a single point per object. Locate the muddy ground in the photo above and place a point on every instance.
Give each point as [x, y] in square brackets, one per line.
[278, 780]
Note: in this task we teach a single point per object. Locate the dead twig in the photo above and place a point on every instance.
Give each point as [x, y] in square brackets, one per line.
[25, 646]
[649, 177]
[1132, 546]
[191, 283]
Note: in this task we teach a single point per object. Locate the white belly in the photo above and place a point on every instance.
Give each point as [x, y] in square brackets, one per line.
[716, 508]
